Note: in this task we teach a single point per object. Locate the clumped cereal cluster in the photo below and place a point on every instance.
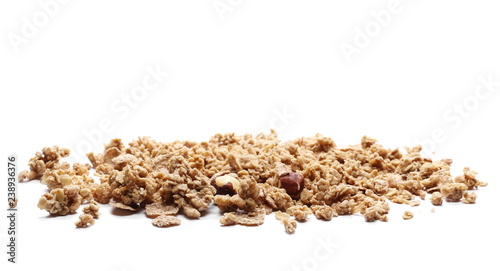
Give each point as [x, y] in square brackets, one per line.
[247, 177]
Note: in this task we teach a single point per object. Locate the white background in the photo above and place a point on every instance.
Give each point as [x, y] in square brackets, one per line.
[255, 66]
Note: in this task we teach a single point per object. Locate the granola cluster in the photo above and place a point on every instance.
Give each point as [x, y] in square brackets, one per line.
[247, 177]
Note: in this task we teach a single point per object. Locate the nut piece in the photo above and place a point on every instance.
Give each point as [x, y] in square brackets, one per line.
[407, 215]
[226, 185]
[292, 182]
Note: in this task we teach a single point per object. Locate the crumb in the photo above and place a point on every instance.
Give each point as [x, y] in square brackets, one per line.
[437, 198]
[166, 221]
[92, 209]
[247, 219]
[470, 197]
[85, 221]
[407, 215]
[414, 203]
[289, 223]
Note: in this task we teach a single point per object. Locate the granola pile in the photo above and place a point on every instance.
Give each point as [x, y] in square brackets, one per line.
[247, 177]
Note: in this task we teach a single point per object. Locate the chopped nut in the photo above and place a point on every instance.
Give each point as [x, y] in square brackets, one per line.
[414, 203]
[226, 185]
[159, 208]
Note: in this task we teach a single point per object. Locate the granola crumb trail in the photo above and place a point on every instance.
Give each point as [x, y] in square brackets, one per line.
[247, 177]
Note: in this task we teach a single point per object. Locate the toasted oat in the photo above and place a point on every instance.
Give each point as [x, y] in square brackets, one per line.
[159, 208]
[122, 206]
[166, 221]
[407, 215]
[247, 219]
[414, 203]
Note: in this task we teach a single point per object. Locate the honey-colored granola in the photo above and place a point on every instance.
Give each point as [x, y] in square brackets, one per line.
[247, 177]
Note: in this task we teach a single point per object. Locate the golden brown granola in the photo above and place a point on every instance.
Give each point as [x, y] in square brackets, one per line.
[247, 177]
[61, 201]
[92, 209]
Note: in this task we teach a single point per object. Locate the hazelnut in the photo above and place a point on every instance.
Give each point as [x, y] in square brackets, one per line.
[292, 182]
[226, 185]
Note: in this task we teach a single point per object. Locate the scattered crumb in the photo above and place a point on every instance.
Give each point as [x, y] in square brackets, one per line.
[289, 223]
[470, 197]
[407, 215]
[437, 198]
[414, 203]
[85, 221]
[166, 221]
